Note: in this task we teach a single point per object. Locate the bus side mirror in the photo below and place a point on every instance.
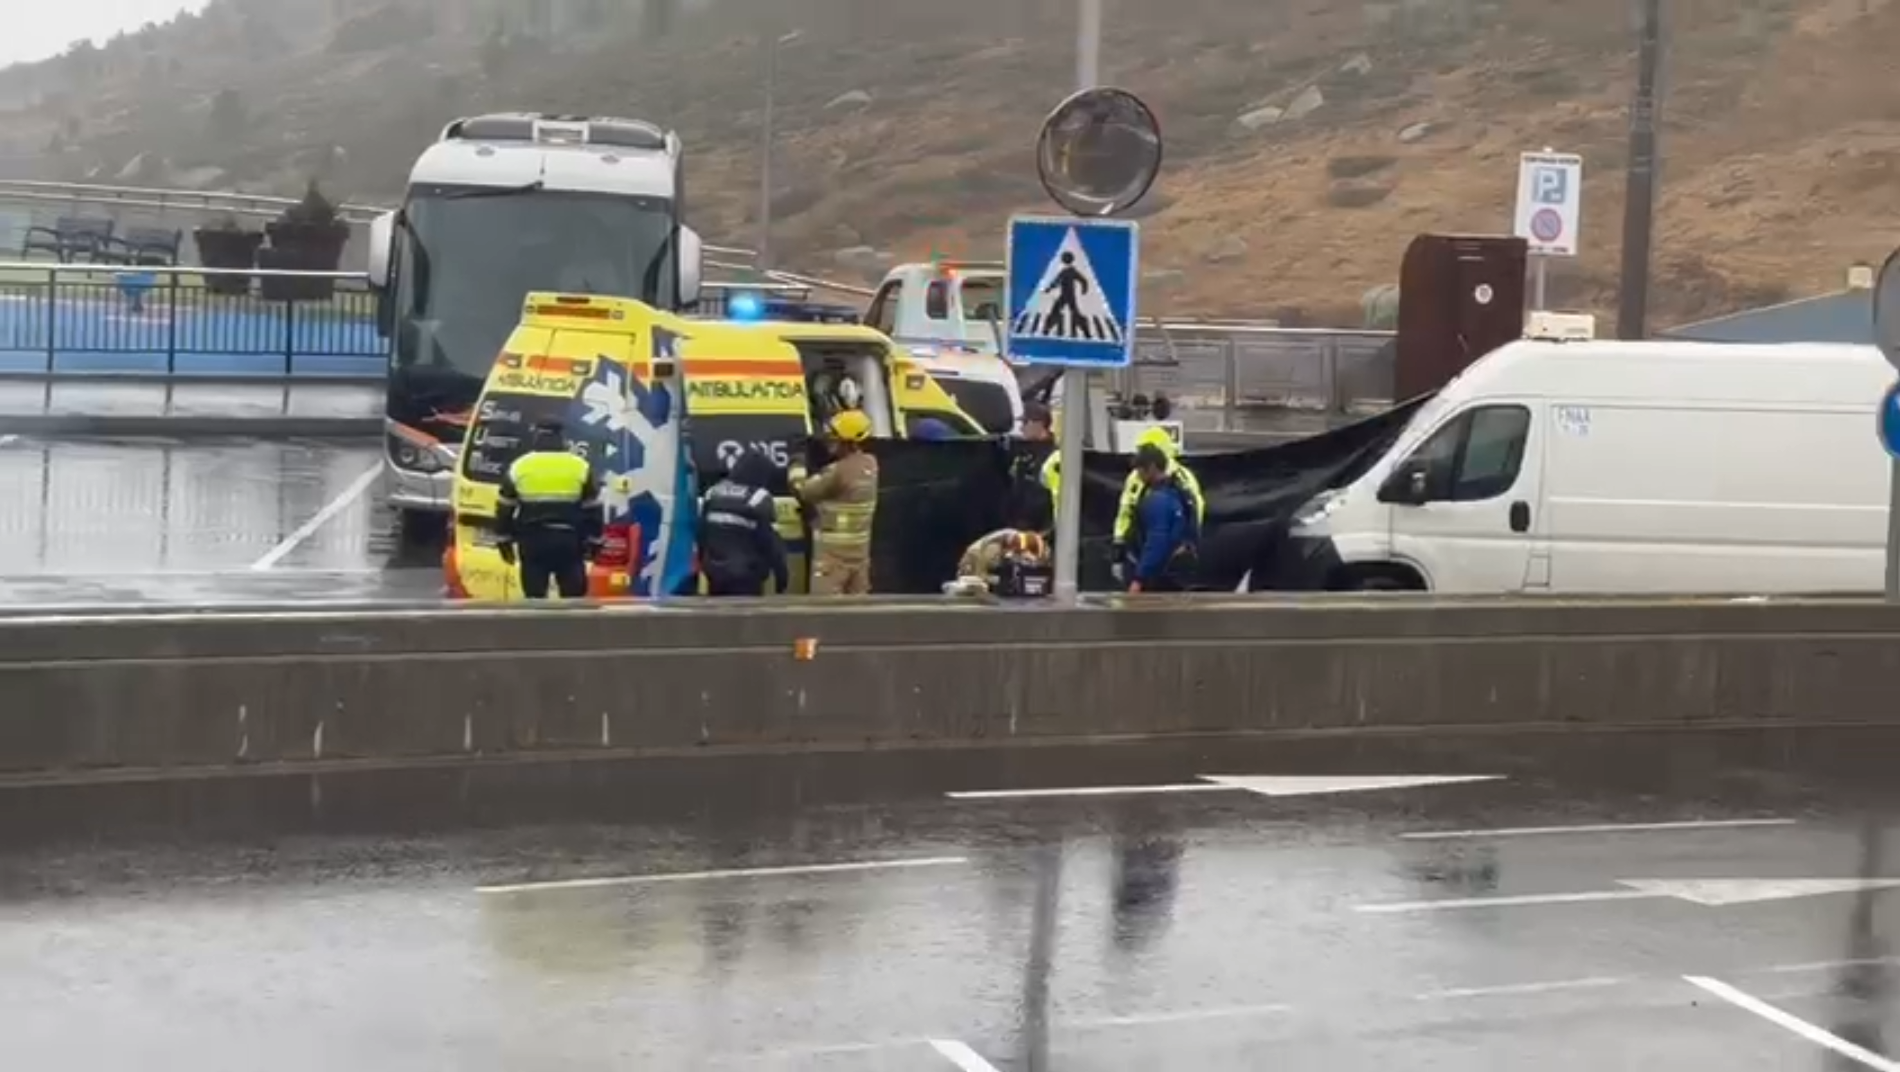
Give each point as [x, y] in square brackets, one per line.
[382, 249]
[692, 256]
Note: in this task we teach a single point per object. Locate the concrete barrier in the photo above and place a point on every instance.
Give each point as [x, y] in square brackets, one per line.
[161, 695]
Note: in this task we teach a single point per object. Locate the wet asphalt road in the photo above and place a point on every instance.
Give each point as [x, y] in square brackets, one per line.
[96, 521]
[1204, 929]
[193, 521]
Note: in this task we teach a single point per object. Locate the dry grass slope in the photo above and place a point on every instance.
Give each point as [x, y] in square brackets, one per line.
[1308, 139]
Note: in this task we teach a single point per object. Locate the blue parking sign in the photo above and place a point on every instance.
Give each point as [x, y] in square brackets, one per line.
[1072, 290]
[1550, 186]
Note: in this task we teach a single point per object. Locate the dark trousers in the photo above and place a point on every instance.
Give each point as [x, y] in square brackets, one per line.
[552, 556]
[734, 584]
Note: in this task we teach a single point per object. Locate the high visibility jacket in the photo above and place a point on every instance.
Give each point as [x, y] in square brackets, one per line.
[548, 489]
[1131, 497]
[844, 496]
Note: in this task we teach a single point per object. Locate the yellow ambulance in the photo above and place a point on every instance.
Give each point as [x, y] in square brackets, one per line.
[610, 370]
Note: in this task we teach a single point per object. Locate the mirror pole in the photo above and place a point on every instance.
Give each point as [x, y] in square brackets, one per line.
[1088, 44]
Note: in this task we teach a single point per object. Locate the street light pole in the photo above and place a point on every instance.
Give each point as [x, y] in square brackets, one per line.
[765, 145]
[1639, 197]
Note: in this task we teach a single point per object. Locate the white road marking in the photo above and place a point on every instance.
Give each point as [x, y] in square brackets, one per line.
[8, 440]
[1593, 828]
[1091, 791]
[309, 528]
[1312, 785]
[1831, 965]
[1716, 892]
[743, 872]
[1707, 892]
[1506, 902]
[1264, 785]
[1182, 1016]
[1520, 989]
[1825, 1039]
[962, 1056]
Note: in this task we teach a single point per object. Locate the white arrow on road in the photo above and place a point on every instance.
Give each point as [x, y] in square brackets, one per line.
[1708, 892]
[1264, 785]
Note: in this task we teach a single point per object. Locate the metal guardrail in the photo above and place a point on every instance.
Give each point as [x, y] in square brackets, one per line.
[76, 320]
[206, 201]
[1221, 370]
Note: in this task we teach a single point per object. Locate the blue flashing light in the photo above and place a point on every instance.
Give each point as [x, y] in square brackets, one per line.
[745, 305]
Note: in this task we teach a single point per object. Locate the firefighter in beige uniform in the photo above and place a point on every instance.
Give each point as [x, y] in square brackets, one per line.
[844, 499]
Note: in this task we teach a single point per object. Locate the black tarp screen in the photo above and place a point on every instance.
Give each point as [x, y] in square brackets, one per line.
[934, 498]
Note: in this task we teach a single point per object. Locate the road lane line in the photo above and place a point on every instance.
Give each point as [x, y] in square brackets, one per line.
[1825, 1039]
[1522, 989]
[962, 1056]
[1093, 791]
[1507, 902]
[8, 440]
[309, 528]
[1181, 1016]
[743, 872]
[1830, 965]
[1593, 828]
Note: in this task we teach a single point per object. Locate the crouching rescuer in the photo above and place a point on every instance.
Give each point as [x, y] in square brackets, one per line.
[1011, 563]
[739, 544]
[548, 516]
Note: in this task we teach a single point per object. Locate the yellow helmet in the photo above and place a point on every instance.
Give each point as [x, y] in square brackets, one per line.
[1158, 437]
[850, 426]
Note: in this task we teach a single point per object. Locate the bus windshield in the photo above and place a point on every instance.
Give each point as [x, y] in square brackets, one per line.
[471, 255]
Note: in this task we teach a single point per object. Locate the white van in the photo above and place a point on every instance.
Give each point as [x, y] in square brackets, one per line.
[1623, 467]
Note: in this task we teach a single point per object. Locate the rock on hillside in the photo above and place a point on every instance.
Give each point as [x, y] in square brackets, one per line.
[1308, 140]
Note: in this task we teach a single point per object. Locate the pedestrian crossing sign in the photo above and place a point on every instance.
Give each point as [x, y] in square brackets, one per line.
[1072, 290]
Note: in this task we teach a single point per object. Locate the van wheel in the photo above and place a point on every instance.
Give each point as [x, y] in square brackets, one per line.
[1378, 579]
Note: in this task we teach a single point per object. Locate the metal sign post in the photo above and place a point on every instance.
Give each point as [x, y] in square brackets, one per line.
[1072, 282]
[1887, 423]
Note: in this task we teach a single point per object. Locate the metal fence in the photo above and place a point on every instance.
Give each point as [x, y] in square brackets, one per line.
[178, 322]
[62, 319]
[1218, 372]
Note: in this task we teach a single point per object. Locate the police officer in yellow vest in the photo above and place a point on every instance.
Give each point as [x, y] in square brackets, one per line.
[844, 498]
[1133, 488]
[548, 514]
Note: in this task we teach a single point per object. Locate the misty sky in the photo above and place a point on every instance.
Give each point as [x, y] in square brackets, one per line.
[37, 30]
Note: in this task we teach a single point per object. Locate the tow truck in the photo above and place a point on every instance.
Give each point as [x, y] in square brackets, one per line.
[949, 315]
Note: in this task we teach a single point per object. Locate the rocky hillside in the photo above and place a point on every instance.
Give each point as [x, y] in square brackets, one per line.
[1307, 139]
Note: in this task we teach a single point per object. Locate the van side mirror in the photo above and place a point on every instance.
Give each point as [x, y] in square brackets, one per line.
[692, 266]
[1409, 484]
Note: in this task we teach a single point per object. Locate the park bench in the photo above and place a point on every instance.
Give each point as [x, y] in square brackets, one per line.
[144, 246]
[70, 239]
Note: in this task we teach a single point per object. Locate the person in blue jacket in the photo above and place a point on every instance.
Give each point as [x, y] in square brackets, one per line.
[1166, 528]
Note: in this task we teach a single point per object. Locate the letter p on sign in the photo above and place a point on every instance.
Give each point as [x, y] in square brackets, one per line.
[1548, 186]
